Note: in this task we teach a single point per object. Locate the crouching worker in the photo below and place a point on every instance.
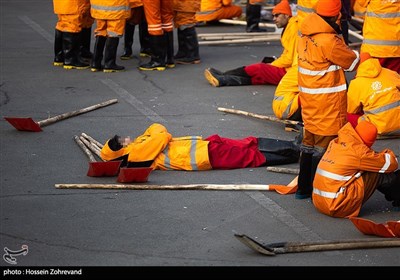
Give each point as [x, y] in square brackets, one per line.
[350, 171]
[157, 148]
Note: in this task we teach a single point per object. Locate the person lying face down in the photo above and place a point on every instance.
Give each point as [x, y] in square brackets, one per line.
[157, 148]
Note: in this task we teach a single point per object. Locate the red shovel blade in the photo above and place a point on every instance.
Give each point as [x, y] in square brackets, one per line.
[134, 174]
[24, 124]
[103, 169]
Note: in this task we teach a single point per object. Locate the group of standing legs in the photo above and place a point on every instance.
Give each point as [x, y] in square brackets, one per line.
[118, 18]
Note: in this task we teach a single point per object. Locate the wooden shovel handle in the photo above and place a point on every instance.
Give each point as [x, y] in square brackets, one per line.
[75, 113]
[262, 117]
[84, 149]
[92, 140]
[90, 146]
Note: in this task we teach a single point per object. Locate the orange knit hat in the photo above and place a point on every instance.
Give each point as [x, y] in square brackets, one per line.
[367, 131]
[364, 56]
[329, 8]
[282, 7]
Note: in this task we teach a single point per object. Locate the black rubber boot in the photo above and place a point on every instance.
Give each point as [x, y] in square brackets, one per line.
[159, 54]
[253, 17]
[191, 47]
[97, 60]
[218, 80]
[84, 51]
[144, 38]
[71, 45]
[181, 53]
[389, 185]
[304, 189]
[278, 151]
[170, 63]
[110, 55]
[58, 49]
[128, 41]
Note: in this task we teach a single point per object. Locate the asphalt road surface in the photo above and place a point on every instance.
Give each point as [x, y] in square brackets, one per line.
[135, 228]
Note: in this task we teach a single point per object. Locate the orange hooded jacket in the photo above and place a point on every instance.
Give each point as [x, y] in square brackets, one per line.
[322, 58]
[338, 186]
[376, 92]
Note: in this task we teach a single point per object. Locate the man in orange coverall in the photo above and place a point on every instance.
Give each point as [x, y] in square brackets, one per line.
[157, 148]
[323, 57]
[350, 172]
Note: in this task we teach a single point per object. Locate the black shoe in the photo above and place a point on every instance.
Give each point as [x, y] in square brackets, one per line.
[152, 65]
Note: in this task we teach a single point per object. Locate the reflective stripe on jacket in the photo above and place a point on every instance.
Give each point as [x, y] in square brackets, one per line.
[381, 28]
[322, 59]
[376, 92]
[110, 9]
[345, 157]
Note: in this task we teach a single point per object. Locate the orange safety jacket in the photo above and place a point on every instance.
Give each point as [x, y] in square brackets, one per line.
[338, 188]
[376, 92]
[285, 102]
[156, 144]
[322, 59]
[110, 9]
[381, 28]
[67, 7]
[289, 40]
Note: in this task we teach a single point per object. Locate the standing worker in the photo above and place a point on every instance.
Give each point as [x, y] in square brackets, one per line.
[159, 15]
[86, 33]
[350, 172]
[110, 18]
[185, 23]
[68, 30]
[253, 16]
[323, 58]
[137, 17]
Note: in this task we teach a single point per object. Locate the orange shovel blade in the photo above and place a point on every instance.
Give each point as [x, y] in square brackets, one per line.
[394, 227]
[103, 169]
[134, 175]
[371, 228]
[24, 124]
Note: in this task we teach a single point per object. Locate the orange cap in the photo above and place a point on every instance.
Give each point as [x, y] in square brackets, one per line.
[329, 8]
[282, 7]
[364, 56]
[367, 131]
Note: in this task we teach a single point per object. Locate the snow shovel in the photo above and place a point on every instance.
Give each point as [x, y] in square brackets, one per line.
[98, 169]
[27, 124]
[298, 247]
